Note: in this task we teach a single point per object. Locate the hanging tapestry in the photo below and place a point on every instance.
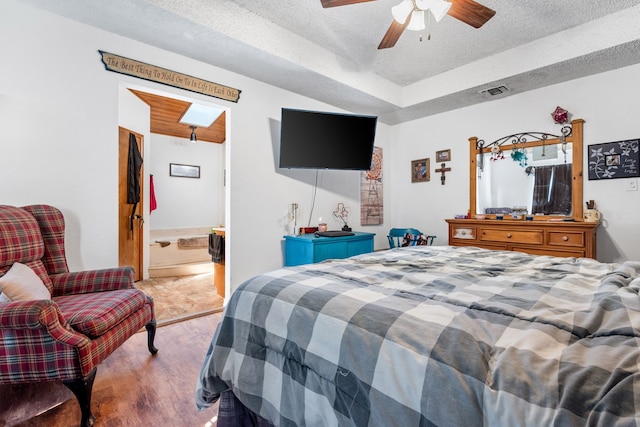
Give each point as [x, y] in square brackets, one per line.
[371, 200]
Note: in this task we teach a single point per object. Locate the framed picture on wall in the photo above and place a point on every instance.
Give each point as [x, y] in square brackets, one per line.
[420, 170]
[184, 171]
[443, 156]
[619, 159]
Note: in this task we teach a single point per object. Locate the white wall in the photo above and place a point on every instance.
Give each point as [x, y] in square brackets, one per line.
[261, 193]
[608, 102]
[187, 202]
[59, 129]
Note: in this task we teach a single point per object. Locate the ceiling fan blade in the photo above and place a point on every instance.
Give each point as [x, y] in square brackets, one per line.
[334, 3]
[471, 12]
[393, 33]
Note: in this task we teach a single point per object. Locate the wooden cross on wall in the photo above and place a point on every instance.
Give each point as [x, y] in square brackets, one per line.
[443, 170]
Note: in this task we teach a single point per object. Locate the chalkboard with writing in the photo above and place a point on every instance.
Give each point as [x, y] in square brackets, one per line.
[620, 159]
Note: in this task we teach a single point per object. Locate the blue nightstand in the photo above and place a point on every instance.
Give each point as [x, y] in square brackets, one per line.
[307, 249]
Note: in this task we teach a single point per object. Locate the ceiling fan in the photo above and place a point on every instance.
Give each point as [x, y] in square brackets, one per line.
[410, 15]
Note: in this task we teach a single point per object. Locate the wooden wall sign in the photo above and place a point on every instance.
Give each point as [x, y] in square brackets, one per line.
[131, 67]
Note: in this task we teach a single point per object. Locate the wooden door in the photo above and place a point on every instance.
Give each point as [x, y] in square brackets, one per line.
[129, 221]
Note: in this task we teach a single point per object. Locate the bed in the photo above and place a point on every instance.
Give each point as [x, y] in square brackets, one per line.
[432, 335]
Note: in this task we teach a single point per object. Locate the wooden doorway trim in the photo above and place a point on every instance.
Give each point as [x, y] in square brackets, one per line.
[130, 240]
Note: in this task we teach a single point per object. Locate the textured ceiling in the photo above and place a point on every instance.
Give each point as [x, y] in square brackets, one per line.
[331, 54]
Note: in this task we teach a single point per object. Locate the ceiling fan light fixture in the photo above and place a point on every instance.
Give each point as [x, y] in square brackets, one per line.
[193, 138]
[417, 21]
[401, 11]
[439, 9]
[424, 4]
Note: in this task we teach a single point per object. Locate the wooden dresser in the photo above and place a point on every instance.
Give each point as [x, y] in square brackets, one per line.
[561, 238]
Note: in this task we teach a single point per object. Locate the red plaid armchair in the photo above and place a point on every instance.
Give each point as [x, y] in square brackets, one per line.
[89, 315]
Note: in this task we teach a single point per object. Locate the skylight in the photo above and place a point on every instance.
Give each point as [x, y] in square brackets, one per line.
[201, 115]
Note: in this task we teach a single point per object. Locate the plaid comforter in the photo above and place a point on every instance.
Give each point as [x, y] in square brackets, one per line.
[430, 335]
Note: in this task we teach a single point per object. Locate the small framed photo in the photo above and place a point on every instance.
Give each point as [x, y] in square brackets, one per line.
[612, 159]
[184, 171]
[420, 170]
[443, 156]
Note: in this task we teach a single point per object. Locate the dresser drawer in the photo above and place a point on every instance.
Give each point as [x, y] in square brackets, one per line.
[512, 236]
[465, 233]
[539, 237]
[566, 238]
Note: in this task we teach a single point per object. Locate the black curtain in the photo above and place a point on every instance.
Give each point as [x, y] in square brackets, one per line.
[552, 190]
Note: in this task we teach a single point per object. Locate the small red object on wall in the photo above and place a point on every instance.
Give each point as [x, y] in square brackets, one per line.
[560, 115]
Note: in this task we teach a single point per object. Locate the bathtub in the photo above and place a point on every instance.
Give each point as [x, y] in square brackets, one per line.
[179, 252]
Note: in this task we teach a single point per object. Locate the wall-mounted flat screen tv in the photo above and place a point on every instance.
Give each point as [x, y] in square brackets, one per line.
[321, 140]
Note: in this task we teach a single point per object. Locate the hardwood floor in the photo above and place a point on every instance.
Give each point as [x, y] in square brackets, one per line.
[133, 388]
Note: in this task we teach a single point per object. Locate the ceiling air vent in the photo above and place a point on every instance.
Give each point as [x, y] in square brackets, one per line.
[493, 91]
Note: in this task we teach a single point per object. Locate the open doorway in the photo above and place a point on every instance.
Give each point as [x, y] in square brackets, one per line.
[185, 199]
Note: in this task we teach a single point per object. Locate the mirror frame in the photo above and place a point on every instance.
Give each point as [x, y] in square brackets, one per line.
[574, 137]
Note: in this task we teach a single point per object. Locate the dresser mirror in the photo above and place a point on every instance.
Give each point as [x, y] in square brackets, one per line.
[528, 173]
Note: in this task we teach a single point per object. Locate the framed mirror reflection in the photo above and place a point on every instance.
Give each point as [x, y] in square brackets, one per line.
[531, 173]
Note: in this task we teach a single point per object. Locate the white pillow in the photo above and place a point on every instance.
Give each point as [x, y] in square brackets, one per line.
[21, 283]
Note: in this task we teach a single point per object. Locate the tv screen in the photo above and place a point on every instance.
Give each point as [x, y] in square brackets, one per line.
[320, 140]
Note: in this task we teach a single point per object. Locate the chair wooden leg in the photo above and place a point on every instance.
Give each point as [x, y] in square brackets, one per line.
[151, 335]
[81, 388]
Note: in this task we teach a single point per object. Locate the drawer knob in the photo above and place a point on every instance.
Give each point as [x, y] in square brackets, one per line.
[565, 238]
[509, 235]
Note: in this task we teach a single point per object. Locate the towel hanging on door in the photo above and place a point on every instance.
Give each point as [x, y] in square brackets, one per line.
[216, 248]
[153, 205]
